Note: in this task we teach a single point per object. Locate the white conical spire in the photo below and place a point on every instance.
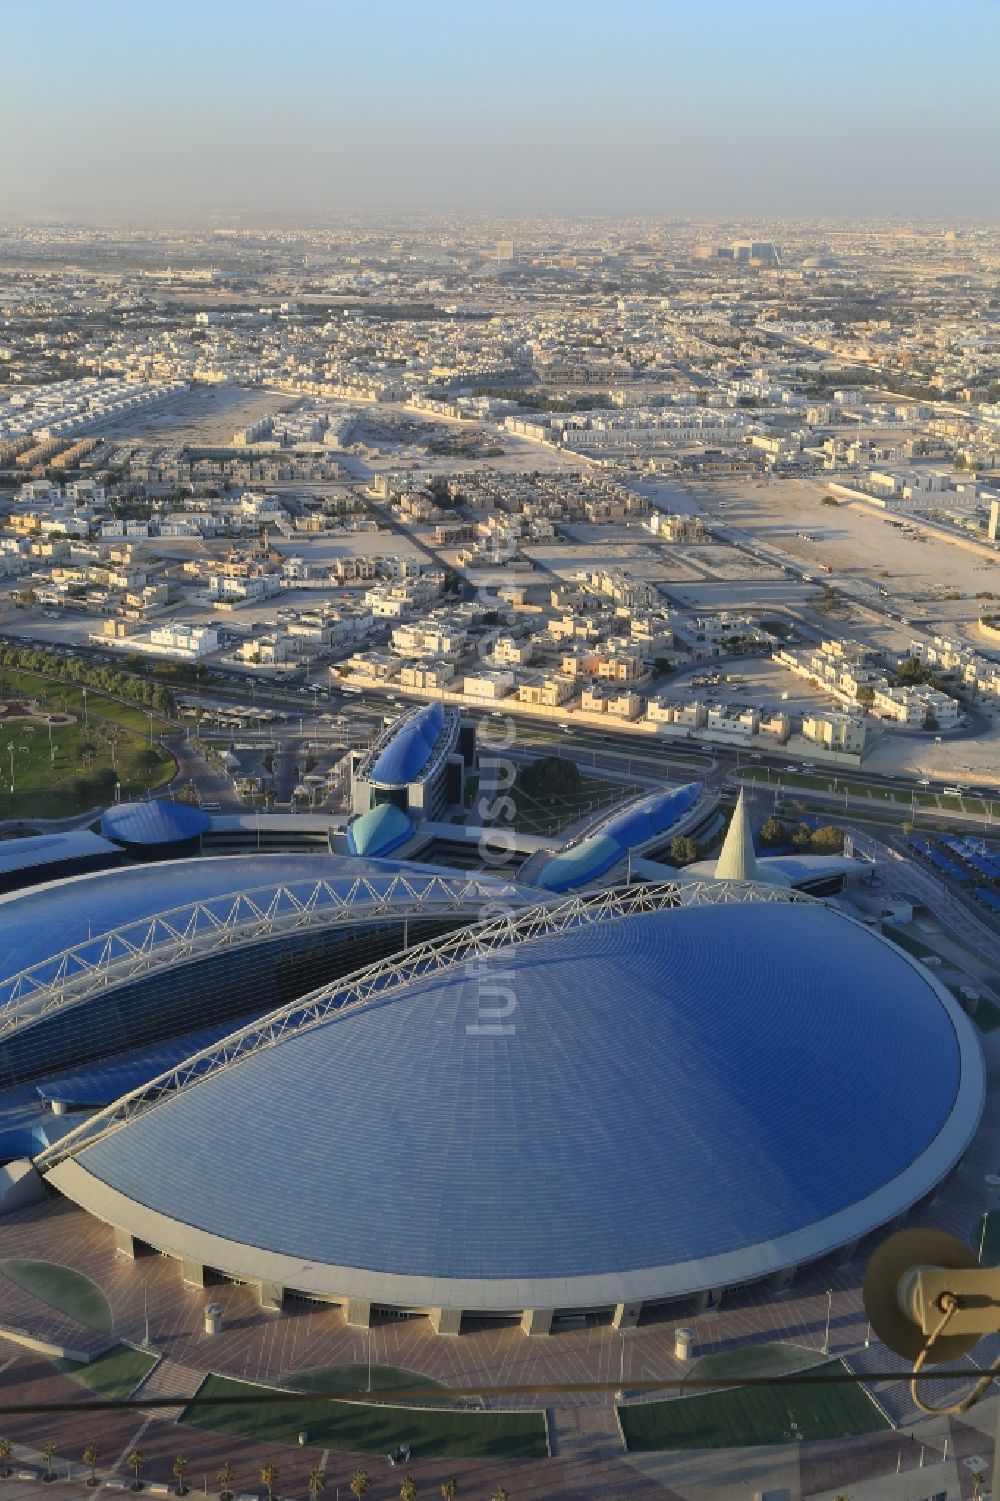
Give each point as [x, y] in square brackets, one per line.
[737, 861]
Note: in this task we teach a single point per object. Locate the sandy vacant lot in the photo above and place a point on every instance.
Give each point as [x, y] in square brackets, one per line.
[207, 416]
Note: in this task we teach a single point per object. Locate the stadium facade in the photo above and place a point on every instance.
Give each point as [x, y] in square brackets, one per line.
[634, 1099]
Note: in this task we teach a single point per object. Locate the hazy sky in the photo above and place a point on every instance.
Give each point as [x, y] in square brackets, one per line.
[183, 109]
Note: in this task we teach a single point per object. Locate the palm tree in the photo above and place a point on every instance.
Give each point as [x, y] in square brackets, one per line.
[225, 1479]
[179, 1465]
[135, 1462]
[48, 1452]
[499, 1494]
[449, 1489]
[269, 1477]
[317, 1482]
[361, 1483]
[407, 1489]
[90, 1457]
[6, 1448]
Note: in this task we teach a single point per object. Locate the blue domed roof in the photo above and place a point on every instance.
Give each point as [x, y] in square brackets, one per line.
[411, 747]
[160, 821]
[651, 816]
[584, 861]
[642, 821]
[379, 831]
[666, 1087]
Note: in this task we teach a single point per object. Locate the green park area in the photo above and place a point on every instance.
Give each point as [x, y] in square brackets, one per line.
[115, 1374]
[72, 762]
[61, 1288]
[832, 785]
[546, 795]
[787, 1412]
[368, 1428]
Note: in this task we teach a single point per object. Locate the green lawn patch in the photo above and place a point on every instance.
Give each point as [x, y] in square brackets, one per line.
[746, 1416]
[62, 1288]
[546, 815]
[115, 1374]
[354, 1378]
[77, 768]
[373, 1429]
[770, 1359]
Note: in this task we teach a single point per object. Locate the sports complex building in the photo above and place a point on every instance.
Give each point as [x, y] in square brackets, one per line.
[389, 1086]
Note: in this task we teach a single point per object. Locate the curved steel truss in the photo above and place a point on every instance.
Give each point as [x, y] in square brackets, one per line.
[378, 981]
[197, 929]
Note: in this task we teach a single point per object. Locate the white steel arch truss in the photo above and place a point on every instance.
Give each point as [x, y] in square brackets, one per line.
[376, 982]
[197, 929]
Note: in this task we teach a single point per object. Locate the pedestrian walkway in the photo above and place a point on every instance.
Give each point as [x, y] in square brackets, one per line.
[169, 1378]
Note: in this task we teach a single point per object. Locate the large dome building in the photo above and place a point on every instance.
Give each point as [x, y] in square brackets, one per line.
[598, 1104]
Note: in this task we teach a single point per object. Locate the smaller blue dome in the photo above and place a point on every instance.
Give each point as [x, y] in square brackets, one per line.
[582, 862]
[158, 822]
[410, 749]
[379, 831]
[636, 825]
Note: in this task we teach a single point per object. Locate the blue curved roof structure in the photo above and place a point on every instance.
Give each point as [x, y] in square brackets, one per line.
[39, 923]
[579, 863]
[652, 816]
[379, 831]
[160, 821]
[408, 752]
[675, 1097]
[638, 824]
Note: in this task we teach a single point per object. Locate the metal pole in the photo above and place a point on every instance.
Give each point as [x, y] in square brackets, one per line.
[982, 1238]
[829, 1308]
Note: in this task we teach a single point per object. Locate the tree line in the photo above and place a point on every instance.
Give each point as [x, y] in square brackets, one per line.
[107, 678]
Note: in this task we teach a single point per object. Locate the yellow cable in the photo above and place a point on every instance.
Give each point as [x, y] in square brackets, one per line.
[949, 1303]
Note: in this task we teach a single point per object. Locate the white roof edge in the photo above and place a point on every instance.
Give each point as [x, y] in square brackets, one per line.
[747, 1264]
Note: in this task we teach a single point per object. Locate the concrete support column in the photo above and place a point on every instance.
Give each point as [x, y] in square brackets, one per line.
[271, 1296]
[125, 1243]
[778, 1281]
[358, 1313]
[537, 1320]
[192, 1273]
[626, 1315]
[446, 1320]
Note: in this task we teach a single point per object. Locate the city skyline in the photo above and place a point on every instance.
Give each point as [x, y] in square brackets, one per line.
[667, 110]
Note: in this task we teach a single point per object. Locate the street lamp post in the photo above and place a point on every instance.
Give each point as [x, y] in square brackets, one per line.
[86, 721]
[829, 1310]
